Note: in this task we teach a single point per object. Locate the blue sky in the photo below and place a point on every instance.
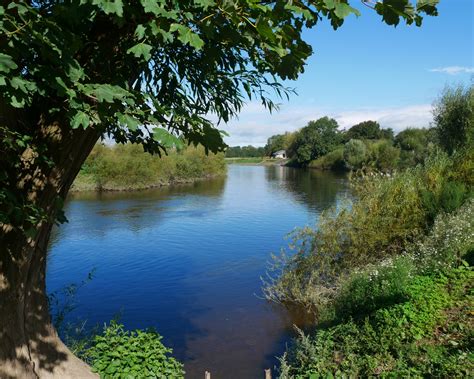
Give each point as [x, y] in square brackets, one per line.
[368, 70]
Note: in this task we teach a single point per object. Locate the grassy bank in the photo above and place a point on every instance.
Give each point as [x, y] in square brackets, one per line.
[387, 277]
[127, 167]
[426, 331]
[244, 160]
[263, 161]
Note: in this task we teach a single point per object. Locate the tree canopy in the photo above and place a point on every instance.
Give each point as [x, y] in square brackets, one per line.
[316, 139]
[152, 72]
[147, 71]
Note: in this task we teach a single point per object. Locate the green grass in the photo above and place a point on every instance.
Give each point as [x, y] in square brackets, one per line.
[247, 160]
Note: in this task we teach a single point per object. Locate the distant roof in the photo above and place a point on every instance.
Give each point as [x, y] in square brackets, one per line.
[279, 152]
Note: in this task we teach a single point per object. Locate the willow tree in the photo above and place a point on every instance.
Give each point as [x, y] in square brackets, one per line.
[151, 72]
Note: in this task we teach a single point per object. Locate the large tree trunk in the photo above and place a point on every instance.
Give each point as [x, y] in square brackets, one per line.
[29, 344]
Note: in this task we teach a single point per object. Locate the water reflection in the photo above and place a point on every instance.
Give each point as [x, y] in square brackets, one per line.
[188, 260]
[317, 189]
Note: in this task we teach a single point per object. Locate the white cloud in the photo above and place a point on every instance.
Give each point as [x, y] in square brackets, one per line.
[255, 124]
[454, 70]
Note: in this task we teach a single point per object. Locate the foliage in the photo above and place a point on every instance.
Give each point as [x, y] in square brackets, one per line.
[389, 214]
[274, 143]
[355, 153]
[454, 118]
[244, 152]
[415, 145]
[383, 156]
[315, 140]
[449, 197]
[169, 66]
[365, 130]
[280, 142]
[333, 160]
[124, 167]
[450, 240]
[117, 353]
[426, 332]
[377, 286]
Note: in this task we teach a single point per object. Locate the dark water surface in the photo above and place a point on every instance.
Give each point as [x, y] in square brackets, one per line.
[188, 261]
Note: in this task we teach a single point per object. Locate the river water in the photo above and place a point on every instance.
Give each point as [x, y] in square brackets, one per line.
[188, 260]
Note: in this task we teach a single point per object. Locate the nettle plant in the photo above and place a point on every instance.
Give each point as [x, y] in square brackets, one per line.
[117, 353]
[151, 72]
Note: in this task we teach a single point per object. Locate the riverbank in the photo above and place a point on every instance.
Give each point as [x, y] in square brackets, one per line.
[128, 168]
[259, 161]
[388, 276]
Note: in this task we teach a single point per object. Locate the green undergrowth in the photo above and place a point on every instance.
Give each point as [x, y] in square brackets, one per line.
[128, 167]
[424, 331]
[119, 353]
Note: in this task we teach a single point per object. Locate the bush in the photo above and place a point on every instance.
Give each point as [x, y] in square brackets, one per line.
[355, 154]
[450, 240]
[450, 197]
[117, 353]
[378, 287]
[389, 215]
[454, 118]
[383, 156]
[331, 161]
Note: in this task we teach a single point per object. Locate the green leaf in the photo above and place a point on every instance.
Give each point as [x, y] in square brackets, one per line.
[14, 102]
[342, 10]
[265, 30]
[140, 31]
[75, 73]
[141, 50]
[80, 119]
[105, 92]
[187, 36]
[330, 4]
[6, 63]
[165, 138]
[110, 6]
[129, 121]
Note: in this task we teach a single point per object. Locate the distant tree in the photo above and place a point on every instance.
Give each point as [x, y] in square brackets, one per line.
[415, 145]
[454, 118]
[316, 139]
[364, 130]
[233, 152]
[275, 143]
[387, 134]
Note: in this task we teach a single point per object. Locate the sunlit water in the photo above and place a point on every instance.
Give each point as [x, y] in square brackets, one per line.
[188, 259]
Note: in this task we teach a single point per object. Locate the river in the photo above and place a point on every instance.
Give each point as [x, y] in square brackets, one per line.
[188, 260]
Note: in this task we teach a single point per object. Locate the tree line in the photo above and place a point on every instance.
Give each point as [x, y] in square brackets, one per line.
[366, 145]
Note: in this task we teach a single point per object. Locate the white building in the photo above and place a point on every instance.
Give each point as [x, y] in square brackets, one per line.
[279, 154]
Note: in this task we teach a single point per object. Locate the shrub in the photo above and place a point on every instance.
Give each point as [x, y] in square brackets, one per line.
[117, 353]
[376, 287]
[450, 240]
[355, 154]
[389, 214]
[454, 118]
[449, 197]
[334, 160]
[384, 156]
